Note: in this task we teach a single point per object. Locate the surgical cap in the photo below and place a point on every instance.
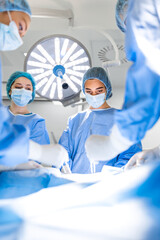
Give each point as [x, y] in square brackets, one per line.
[121, 14]
[16, 75]
[100, 74]
[15, 5]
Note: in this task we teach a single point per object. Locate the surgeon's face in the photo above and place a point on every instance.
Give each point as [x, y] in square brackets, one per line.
[20, 83]
[21, 19]
[94, 87]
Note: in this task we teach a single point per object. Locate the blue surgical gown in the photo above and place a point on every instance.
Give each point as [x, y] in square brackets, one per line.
[141, 108]
[35, 123]
[14, 139]
[80, 127]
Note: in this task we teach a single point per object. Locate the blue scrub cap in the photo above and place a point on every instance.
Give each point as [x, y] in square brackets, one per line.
[100, 74]
[16, 75]
[15, 5]
[121, 14]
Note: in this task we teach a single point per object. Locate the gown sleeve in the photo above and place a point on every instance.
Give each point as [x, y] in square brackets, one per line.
[141, 108]
[124, 157]
[14, 139]
[66, 141]
[39, 133]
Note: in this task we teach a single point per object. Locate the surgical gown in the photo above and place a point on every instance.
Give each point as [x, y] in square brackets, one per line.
[141, 107]
[80, 127]
[36, 124]
[14, 139]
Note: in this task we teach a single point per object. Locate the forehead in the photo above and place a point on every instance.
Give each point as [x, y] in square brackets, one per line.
[93, 83]
[23, 80]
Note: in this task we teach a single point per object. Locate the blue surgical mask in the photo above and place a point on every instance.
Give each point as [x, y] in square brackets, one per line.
[97, 100]
[9, 36]
[21, 97]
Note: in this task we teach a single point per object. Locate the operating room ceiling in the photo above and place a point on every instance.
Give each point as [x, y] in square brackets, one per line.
[81, 19]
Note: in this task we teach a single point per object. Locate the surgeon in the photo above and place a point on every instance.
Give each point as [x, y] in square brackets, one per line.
[15, 17]
[15, 147]
[21, 90]
[140, 20]
[98, 119]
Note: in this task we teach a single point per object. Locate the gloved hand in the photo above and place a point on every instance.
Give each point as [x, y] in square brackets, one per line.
[102, 148]
[28, 165]
[66, 169]
[143, 157]
[23, 166]
[50, 155]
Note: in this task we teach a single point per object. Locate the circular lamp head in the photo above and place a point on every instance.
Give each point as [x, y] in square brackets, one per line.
[58, 64]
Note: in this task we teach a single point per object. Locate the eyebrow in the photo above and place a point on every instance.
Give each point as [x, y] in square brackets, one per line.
[28, 84]
[96, 88]
[99, 87]
[26, 28]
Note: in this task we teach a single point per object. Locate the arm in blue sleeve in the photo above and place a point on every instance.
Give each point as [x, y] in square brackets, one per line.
[124, 157]
[14, 141]
[66, 142]
[143, 80]
[39, 133]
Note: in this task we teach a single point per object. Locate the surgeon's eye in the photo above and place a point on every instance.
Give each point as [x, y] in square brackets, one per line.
[99, 92]
[20, 27]
[18, 87]
[88, 91]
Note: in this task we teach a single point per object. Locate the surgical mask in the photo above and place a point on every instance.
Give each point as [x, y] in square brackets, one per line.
[21, 97]
[97, 100]
[9, 36]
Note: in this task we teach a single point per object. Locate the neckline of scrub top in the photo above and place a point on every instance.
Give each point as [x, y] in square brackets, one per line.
[26, 114]
[102, 109]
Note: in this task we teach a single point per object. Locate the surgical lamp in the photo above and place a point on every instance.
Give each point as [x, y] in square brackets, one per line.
[58, 63]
